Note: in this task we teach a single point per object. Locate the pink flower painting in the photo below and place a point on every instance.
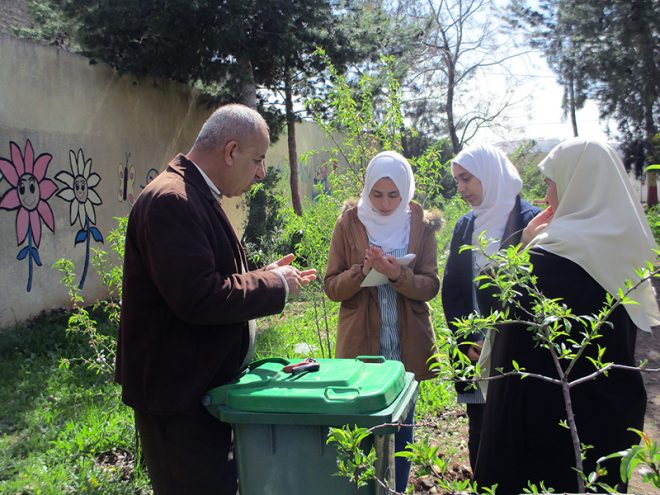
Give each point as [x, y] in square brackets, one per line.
[28, 194]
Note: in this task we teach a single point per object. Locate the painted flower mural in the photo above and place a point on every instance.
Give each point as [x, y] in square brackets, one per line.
[79, 191]
[29, 194]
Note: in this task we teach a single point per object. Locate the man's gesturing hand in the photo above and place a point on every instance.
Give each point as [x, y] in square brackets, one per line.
[295, 278]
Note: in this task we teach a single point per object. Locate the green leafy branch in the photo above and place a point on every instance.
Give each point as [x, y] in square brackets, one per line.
[647, 454]
[352, 462]
[360, 466]
[103, 346]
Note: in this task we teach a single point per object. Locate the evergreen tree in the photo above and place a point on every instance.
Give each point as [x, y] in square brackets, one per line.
[610, 49]
[617, 41]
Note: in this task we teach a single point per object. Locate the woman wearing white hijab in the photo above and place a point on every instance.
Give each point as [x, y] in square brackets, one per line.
[490, 183]
[391, 319]
[593, 243]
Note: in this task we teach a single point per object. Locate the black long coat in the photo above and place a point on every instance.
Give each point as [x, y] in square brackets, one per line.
[458, 278]
[186, 303]
[521, 438]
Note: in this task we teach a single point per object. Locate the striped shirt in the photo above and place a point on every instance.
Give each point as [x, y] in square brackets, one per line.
[389, 320]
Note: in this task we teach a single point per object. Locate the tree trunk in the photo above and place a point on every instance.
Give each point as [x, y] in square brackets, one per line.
[451, 126]
[291, 139]
[652, 188]
[571, 103]
[249, 87]
[572, 426]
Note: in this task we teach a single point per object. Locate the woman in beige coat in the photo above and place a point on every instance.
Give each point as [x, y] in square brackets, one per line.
[391, 319]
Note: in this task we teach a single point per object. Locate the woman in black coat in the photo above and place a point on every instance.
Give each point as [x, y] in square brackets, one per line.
[596, 238]
[490, 183]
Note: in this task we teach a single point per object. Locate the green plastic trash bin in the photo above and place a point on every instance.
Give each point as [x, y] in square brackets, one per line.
[281, 422]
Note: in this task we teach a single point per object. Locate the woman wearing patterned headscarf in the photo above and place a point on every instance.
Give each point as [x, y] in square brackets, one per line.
[489, 182]
[597, 237]
[391, 319]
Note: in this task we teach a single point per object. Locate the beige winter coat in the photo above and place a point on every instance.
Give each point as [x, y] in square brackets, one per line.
[358, 331]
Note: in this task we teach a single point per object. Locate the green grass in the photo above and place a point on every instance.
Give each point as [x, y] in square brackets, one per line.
[309, 322]
[64, 430]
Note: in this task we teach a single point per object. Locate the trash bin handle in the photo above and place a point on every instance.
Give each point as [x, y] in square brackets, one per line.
[255, 364]
[371, 359]
[341, 394]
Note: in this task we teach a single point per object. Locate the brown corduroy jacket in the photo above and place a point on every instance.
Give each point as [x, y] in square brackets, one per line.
[186, 301]
[358, 331]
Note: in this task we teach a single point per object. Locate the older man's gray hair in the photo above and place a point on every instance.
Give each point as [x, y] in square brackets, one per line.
[229, 122]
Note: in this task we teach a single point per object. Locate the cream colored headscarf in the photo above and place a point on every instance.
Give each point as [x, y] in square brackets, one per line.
[599, 223]
[500, 183]
[388, 231]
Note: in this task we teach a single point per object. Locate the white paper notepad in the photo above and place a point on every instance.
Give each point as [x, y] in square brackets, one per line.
[375, 278]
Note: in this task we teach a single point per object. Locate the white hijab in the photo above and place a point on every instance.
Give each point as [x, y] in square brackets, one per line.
[501, 185]
[388, 231]
[599, 223]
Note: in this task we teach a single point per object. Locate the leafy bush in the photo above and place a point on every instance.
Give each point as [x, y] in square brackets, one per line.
[525, 159]
[263, 234]
[653, 216]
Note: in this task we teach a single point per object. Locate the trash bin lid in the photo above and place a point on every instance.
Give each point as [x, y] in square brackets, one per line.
[340, 386]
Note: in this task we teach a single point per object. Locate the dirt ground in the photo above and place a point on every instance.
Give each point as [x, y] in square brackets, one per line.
[648, 347]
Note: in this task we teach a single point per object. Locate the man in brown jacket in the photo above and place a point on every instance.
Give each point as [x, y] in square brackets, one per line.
[188, 302]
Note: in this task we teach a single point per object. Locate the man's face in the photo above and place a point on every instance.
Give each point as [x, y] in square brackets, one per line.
[248, 162]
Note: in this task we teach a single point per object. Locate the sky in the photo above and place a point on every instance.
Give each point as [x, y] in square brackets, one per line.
[538, 114]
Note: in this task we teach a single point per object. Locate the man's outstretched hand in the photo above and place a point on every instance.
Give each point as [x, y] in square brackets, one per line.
[295, 278]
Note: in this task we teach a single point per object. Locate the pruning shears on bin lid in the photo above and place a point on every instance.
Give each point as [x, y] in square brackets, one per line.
[308, 364]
